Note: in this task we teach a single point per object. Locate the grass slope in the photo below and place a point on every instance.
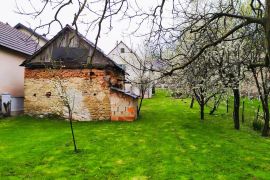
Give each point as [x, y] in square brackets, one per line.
[167, 142]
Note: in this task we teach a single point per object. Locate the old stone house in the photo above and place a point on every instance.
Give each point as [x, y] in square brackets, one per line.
[93, 86]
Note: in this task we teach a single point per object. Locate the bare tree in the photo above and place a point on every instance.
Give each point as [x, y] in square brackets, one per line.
[68, 100]
[204, 81]
[168, 21]
[66, 95]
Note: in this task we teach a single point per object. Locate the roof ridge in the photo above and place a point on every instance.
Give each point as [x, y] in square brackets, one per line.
[131, 50]
[31, 31]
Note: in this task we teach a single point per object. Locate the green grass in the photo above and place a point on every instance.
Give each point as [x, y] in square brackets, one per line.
[167, 142]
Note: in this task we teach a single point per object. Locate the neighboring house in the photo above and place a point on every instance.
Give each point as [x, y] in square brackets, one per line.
[40, 40]
[15, 47]
[61, 69]
[131, 62]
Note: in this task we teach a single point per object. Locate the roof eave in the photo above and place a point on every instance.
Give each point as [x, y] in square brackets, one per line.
[19, 51]
[123, 92]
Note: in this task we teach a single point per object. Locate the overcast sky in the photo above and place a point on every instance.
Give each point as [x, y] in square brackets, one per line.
[106, 42]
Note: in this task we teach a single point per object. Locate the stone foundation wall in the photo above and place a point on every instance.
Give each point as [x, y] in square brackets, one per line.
[123, 107]
[90, 96]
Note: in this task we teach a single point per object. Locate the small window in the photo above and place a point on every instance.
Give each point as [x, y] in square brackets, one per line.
[122, 50]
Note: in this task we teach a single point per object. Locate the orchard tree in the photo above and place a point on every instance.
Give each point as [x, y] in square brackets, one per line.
[204, 81]
[230, 62]
[261, 76]
[255, 50]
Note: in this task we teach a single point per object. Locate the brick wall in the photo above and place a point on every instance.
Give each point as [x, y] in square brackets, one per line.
[90, 96]
[123, 107]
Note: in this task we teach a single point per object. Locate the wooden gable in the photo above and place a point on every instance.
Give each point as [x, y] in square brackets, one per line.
[69, 38]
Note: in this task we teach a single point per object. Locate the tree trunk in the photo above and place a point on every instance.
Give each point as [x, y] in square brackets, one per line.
[202, 111]
[265, 131]
[243, 112]
[216, 104]
[267, 32]
[227, 105]
[192, 102]
[72, 132]
[213, 110]
[236, 107]
[153, 89]
[140, 105]
[141, 101]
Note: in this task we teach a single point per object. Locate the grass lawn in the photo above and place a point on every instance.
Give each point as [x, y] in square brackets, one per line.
[168, 142]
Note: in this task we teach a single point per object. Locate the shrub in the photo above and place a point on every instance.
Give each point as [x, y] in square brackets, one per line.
[177, 94]
[257, 124]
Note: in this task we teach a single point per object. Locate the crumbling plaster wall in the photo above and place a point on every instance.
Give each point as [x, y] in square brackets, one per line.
[90, 95]
[123, 107]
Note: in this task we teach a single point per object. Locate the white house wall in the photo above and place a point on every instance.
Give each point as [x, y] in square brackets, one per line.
[11, 73]
[131, 66]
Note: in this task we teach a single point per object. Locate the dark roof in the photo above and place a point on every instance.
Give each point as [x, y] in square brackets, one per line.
[104, 63]
[16, 40]
[124, 92]
[31, 31]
